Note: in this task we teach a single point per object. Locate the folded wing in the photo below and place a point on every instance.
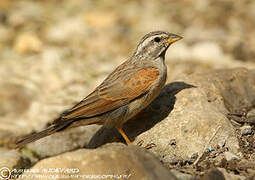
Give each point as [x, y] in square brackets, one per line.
[110, 96]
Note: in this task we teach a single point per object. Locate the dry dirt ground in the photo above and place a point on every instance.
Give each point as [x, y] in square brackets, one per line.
[54, 52]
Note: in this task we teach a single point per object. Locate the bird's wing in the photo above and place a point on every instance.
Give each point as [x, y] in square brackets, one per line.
[110, 96]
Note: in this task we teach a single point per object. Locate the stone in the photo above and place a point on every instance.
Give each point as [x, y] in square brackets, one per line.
[213, 174]
[182, 176]
[230, 156]
[11, 159]
[246, 130]
[221, 174]
[251, 116]
[83, 42]
[230, 176]
[111, 160]
[62, 142]
[28, 43]
[193, 111]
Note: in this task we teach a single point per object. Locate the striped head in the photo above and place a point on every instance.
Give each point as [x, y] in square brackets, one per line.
[155, 44]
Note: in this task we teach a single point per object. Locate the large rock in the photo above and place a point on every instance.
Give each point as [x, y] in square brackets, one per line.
[190, 115]
[110, 160]
[221, 174]
[11, 159]
[63, 141]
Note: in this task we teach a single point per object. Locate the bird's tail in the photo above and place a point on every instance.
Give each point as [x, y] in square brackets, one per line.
[35, 136]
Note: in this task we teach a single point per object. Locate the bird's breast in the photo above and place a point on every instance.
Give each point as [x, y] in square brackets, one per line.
[139, 104]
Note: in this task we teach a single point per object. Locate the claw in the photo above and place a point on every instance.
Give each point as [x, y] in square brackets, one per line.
[148, 146]
[140, 143]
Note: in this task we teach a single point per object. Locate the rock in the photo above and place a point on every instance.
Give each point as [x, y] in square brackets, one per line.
[63, 141]
[251, 172]
[117, 160]
[182, 176]
[84, 41]
[246, 164]
[28, 43]
[213, 174]
[221, 174]
[251, 116]
[11, 159]
[193, 111]
[230, 156]
[230, 176]
[245, 130]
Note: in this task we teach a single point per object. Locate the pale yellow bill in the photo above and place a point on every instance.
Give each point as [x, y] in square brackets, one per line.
[173, 38]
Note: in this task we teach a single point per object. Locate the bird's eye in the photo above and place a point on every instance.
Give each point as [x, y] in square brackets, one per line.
[157, 39]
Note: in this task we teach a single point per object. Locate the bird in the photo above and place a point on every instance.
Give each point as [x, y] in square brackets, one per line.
[131, 87]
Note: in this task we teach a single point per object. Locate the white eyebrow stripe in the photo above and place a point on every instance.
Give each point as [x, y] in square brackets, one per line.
[146, 41]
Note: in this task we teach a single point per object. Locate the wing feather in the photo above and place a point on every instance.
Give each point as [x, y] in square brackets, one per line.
[109, 97]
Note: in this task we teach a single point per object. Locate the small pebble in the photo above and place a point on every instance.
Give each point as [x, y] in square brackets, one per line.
[28, 43]
[229, 156]
[246, 130]
[172, 142]
[193, 157]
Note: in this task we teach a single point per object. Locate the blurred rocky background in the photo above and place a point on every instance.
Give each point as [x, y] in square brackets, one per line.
[54, 52]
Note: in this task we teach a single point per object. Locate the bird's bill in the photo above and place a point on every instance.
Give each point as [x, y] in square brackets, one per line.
[173, 38]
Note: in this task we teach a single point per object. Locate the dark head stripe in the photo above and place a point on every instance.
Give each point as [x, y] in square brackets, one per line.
[152, 34]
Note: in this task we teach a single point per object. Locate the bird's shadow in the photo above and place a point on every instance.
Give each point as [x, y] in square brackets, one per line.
[145, 120]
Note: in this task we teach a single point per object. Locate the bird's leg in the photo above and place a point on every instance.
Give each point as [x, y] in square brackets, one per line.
[140, 143]
[123, 135]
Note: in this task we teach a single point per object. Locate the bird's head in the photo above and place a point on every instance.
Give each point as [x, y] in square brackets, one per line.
[155, 44]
